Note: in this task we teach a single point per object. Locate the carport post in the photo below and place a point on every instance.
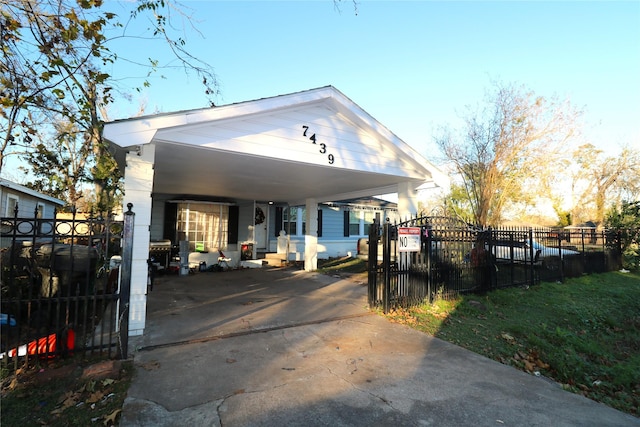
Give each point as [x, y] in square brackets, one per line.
[138, 184]
[407, 199]
[372, 262]
[386, 265]
[311, 236]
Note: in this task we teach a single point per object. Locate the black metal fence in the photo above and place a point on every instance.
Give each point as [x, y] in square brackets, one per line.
[423, 258]
[63, 287]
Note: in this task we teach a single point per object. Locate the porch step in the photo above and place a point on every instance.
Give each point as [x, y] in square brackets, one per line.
[274, 259]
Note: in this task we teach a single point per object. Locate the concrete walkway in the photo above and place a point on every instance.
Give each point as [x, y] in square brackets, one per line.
[281, 347]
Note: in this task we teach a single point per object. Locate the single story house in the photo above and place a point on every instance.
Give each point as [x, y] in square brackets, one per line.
[277, 233]
[300, 168]
[28, 202]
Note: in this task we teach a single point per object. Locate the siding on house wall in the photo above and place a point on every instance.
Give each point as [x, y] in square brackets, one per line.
[49, 210]
[26, 205]
[157, 216]
[332, 222]
[332, 242]
[28, 200]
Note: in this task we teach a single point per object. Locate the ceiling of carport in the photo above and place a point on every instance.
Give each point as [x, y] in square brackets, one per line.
[202, 171]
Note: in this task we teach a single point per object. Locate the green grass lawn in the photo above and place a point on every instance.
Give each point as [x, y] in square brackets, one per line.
[583, 333]
[342, 265]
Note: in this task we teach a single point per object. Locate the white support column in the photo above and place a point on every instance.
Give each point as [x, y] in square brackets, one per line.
[138, 185]
[311, 236]
[407, 200]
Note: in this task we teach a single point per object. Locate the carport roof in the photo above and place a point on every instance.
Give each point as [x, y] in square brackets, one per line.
[311, 144]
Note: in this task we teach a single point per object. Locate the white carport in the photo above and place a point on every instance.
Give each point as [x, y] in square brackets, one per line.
[302, 149]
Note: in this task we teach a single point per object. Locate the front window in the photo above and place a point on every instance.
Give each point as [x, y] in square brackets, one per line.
[289, 218]
[354, 223]
[369, 216]
[204, 225]
[12, 202]
[360, 221]
[294, 221]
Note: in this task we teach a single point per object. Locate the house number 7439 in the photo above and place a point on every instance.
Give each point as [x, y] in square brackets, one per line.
[323, 146]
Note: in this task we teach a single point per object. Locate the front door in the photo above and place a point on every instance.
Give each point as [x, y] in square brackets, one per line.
[260, 222]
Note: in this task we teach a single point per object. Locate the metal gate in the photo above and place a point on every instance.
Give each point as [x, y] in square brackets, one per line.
[450, 257]
[439, 265]
[65, 286]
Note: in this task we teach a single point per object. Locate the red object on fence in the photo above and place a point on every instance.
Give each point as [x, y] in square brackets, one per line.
[47, 346]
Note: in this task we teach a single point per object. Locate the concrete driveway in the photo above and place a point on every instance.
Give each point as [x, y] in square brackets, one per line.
[275, 347]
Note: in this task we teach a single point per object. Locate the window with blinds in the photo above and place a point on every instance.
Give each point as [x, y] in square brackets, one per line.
[204, 225]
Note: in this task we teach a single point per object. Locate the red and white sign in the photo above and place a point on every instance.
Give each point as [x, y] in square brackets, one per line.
[408, 239]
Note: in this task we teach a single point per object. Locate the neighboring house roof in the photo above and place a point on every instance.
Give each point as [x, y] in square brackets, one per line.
[584, 225]
[26, 190]
[369, 202]
[265, 150]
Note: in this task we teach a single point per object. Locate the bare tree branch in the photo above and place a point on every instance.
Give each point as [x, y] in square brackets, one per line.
[510, 142]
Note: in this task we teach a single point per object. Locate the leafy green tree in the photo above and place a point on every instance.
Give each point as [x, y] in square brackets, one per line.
[625, 221]
[599, 180]
[458, 205]
[55, 87]
[506, 148]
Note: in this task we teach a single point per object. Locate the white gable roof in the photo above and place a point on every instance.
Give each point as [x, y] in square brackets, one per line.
[317, 143]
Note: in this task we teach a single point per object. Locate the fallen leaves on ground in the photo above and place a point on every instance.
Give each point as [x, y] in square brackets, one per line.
[150, 366]
[530, 361]
[90, 393]
[63, 396]
[110, 419]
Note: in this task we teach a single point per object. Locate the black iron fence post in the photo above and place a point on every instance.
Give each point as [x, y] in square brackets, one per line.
[430, 272]
[12, 274]
[386, 264]
[532, 259]
[374, 236]
[491, 259]
[125, 281]
[560, 258]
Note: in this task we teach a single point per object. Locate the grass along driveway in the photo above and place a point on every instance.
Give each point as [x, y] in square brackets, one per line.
[583, 333]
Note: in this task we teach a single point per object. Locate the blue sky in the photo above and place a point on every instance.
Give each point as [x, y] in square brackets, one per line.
[414, 66]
